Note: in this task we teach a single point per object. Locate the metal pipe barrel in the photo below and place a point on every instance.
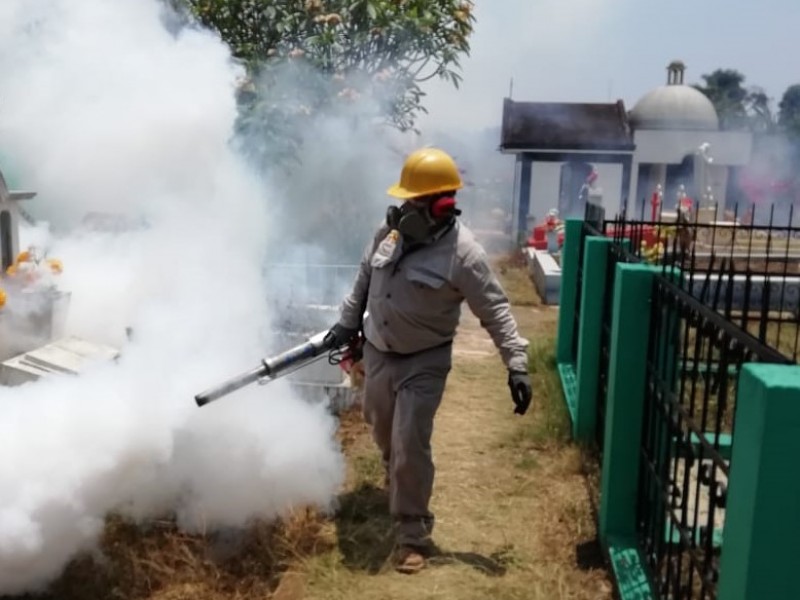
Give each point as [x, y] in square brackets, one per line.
[272, 368]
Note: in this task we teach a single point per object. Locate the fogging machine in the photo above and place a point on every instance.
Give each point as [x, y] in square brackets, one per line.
[287, 362]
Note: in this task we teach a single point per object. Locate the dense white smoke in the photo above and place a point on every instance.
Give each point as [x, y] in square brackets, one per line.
[108, 114]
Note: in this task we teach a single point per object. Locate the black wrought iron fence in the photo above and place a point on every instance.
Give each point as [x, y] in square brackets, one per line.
[755, 277]
[728, 294]
[748, 269]
[747, 272]
[694, 357]
[627, 247]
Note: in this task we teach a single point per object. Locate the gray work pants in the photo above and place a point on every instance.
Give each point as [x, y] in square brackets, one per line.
[401, 396]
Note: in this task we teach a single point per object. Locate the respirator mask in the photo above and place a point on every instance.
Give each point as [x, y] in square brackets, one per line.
[416, 221]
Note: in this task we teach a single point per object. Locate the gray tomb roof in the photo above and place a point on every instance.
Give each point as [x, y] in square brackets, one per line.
[565, 126]
[675, 106]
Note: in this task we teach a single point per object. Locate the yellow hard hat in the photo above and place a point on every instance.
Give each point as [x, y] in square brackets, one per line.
[426, 171]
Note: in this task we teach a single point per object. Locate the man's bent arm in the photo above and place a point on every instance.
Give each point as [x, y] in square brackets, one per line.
[489, 303]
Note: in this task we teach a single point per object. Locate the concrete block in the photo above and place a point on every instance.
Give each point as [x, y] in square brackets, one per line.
[67, 356]
[31, 320]
[546, 275]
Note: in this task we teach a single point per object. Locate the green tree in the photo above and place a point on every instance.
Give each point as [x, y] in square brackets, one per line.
[362, 61]
[725, 88]
[789, 115]
[760, 114]
[344, 49]
[739, 106]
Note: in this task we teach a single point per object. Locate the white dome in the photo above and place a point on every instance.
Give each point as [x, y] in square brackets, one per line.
[675, 107]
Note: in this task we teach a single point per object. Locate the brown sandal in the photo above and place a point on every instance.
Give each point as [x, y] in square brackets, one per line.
[409, 560]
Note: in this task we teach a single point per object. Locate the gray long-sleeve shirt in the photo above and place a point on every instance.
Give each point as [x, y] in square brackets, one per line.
[414, 300]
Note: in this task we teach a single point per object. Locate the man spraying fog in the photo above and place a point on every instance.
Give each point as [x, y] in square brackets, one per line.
[414, 275]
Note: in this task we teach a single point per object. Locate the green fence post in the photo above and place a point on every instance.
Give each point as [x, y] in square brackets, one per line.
[762, 521]
[633, 287]
[570, 251]
[584, 413]
[568, 291]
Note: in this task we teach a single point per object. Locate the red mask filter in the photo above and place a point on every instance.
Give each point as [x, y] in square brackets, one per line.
[443, 207]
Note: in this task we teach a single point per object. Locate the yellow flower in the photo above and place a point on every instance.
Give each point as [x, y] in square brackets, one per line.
[23, 256]
[2, 298]
[55, 265]
[11, 270]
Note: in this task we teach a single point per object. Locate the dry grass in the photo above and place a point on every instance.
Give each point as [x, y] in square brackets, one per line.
[782, 336]
[158, 561]
[513, 274]
[514, 517]
[514, 512]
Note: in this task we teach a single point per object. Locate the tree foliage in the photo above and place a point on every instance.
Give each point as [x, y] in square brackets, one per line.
[737, 106]
[789, 115]
[741, 107]
[381, 49]
[363, 62]
[760, 118]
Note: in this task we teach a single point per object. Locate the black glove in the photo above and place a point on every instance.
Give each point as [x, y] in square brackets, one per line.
[521, 391]
[340, 336]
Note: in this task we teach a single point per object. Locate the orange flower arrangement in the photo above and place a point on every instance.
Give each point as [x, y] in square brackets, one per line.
[29, 268]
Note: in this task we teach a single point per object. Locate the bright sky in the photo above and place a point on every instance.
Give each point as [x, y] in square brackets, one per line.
[601, 50]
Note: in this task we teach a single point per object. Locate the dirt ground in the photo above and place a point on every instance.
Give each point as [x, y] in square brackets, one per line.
[513, 505]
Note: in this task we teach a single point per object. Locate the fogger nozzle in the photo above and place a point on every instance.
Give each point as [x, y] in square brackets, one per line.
[230, 386]
[271, 368]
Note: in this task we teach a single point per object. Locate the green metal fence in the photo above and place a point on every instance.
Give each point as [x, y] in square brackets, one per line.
[660, 442]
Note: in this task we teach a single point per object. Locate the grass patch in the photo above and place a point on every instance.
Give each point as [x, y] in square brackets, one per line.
[368, 468]
[527, 463]
[512, 272]
[158, 561]
[554, 423]
[550, 426]
[783, 337]
[511, 513]
[511, 520]
[361, 526]
[364, 539]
